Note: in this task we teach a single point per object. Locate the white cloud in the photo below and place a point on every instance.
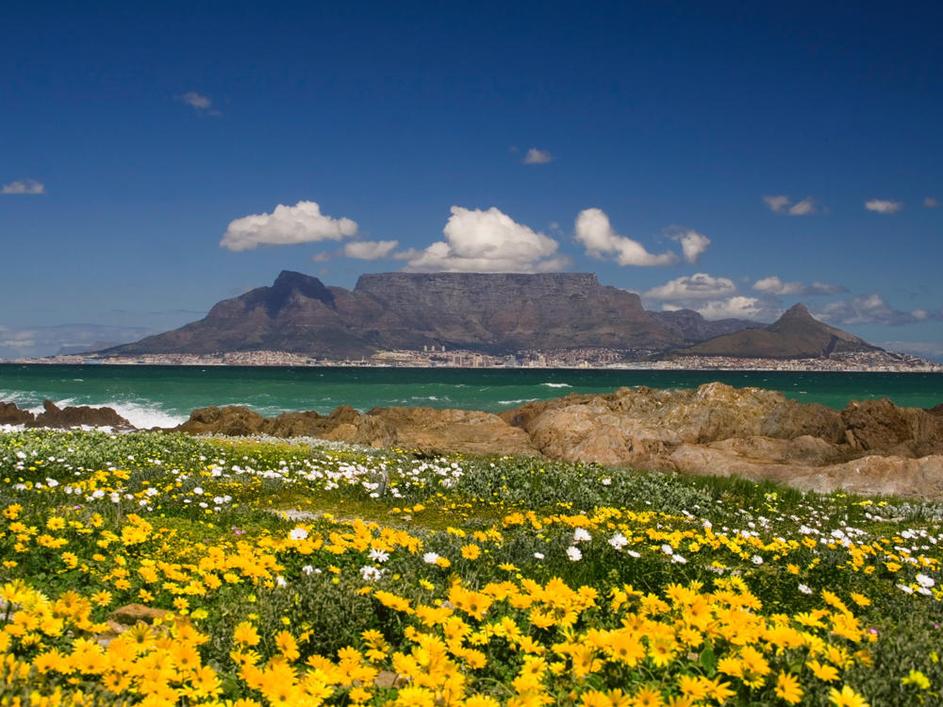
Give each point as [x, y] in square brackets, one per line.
[370, 250]
[931, 202]
[199, 102]
[883, 206]
[872, 309]
[926, 349]
[537, 156]
[773, 285]
[486, 241]
[782, 204]
[286, 225]
[16, 342]
[737, 307]
[23, 186]
[594, 231]
[693, 244]
[699, 286]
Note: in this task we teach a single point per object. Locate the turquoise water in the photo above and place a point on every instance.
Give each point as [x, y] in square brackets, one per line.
[164, 395]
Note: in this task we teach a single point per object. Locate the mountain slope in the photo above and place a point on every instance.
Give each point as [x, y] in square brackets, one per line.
[692, 327]
[796, 334]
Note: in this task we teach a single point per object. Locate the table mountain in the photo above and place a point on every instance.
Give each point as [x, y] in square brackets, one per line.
[796, 334]
[492, 313]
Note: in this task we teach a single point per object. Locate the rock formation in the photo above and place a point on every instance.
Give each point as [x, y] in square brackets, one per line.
[869, 447]
[10, 414]
[78, 416]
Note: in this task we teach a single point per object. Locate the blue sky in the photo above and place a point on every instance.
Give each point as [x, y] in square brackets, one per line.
[152, 131]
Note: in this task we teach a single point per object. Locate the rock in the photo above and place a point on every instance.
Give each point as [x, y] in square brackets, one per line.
[79, 416]
[10, 414]
[446, 430]
[131, 614]
[308, 424]
[879, 425]
[641, 425]
[235, 420]
[936, 410]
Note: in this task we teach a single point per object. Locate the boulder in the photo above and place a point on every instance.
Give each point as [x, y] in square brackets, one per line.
[235, 420]
[879, 425]
[448, 430]
[936, 410]
[79, 416]
[309, 424]
[10, 414]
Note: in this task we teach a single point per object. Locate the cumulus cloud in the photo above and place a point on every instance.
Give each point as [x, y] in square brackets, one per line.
[699, 286]
[693, 244]
[738, 307]
[773, 285]
[595, 233]
[286, 225]
[198, 102]
[931, 202]
[370, 250]
[872, 309]
[23, 186]
[486, 241]
[537, 156]
[883, 206]
[782, 204]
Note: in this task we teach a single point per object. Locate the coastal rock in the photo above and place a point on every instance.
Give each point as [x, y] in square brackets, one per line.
[308, 424]
[641, 425]
[880, 425]
[79, 416]
[936, 410]
[449, 430]
[235, 420]
[10, 414]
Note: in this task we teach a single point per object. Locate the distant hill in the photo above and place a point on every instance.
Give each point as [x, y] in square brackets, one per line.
[493, 313]
[693, 328]
[796, 334]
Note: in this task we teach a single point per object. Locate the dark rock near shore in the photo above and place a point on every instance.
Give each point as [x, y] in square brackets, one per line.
[10, 414]
[78, 416]
[235, 420]
[936, 410]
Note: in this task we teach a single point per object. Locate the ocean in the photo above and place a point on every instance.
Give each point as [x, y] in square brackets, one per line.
[163, 396]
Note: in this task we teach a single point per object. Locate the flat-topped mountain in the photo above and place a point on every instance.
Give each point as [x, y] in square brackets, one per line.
[495, 313]
[796, 334]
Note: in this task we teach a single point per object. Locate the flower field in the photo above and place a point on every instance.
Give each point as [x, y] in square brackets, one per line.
[162, 569]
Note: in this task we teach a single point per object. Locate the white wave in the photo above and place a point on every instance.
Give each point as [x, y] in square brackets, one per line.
[428, 397]
[146, 415]
[517, 402]
[557, 385]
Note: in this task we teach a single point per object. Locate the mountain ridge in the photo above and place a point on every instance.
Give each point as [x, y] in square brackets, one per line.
[496, 313]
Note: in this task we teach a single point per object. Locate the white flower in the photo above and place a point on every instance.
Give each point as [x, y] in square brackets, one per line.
[280, 581]
[905, 589]
[756, 560]
[633, 553]
[430, 558]
[925, 581]
[370, 574]
[538, 555]
[667, 549]
[618, 541]
[151, 491]
[805, 589]
[307, 569]
[574, 554]
[198, 490]
[298, 533]
[379, 555]
[581, 535]
[51, 483]
[680, 560]
[606, 482]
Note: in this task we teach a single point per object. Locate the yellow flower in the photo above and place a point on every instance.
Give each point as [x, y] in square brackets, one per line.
[788, 689]
[846, 698]
[471, 552]
[917, 679]
[246, 634]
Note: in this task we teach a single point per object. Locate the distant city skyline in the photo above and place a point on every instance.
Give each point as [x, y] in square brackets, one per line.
[733, 159]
